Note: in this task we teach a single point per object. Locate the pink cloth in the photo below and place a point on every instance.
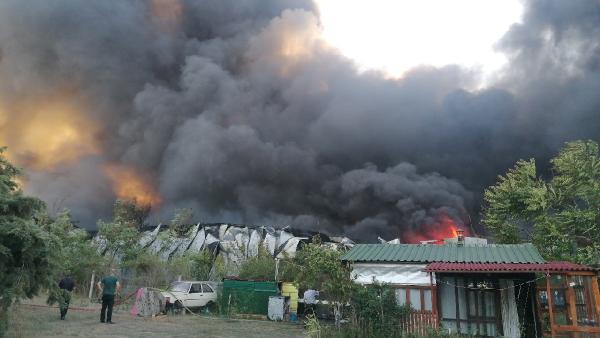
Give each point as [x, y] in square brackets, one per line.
[134, 309]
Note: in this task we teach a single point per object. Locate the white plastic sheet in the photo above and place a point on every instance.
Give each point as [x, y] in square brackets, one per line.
[409, 274]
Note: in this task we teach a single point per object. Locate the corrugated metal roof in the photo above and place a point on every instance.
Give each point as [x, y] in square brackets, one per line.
[427, 253]
[506, 267]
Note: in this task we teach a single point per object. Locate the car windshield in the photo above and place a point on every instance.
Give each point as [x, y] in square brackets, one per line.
[179, 287]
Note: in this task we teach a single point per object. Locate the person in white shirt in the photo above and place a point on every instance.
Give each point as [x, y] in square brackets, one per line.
[310, 301]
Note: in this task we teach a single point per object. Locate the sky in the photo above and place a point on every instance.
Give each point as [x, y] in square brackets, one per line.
[394, 36]
[383, 120]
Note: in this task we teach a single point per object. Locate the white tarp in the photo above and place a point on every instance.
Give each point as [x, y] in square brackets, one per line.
[149, 236]
[254, 242]
[185, 243]
[510, 318]
[198, 242]
[410, 274]
[290, 247]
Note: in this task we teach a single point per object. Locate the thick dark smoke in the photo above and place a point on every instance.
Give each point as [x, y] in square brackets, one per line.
[239, 110]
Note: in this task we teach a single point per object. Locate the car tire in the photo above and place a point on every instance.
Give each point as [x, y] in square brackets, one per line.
[178, 307]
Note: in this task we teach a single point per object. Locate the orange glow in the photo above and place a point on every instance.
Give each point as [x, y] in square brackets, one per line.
[128, 184]
[443, 227]
[167, 14]
[47, 133]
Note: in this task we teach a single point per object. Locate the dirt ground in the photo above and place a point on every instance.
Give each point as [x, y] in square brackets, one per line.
[36, 320]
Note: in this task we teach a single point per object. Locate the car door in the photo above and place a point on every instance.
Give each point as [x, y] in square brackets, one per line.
[194, 297]
[208, 293]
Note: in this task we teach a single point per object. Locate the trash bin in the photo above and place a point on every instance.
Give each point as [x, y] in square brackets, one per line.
[276, 307]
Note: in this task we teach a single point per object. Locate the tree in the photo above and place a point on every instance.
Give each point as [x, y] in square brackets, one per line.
[263, 267]
[121, 235]
[75, 255]
[26, 251]
[321, 268]
[560, 215]
[180, 223]
[130, 213]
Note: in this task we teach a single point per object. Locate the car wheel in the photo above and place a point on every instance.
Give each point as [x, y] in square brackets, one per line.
[178, 307]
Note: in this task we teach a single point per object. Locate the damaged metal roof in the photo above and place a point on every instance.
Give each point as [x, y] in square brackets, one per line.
[427, 253]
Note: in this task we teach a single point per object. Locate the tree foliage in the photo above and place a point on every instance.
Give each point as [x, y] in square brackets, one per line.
[75, 255]
[26, 251]
[321, 269]
[130, 213]
[560, 215]
[121, 235]
[263, 267]
[180, 223]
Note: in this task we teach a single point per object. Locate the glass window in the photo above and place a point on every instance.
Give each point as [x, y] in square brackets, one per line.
[427, 299]
[415, 299]
[449, 325]
[401, 296]
[462, 298]
[447, 298]
[206, 288]
[196, 288]
[587, 314]
[560, 304]
[179, 287]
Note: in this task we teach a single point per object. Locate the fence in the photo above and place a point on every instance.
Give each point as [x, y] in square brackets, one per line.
[418, 322]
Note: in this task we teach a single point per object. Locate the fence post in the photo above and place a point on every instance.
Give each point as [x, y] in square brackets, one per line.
[92, 285]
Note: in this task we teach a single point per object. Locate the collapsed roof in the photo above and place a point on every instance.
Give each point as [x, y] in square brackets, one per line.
[234, 242]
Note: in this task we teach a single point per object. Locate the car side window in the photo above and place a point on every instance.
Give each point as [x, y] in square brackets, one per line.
[206, 288]
[195, 288]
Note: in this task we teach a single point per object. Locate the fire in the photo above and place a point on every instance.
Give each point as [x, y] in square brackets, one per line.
[128, 184]
[167, 14]
[47, 133]
[443, 227]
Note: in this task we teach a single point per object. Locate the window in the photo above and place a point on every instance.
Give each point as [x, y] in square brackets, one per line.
[206, 288]
[469, 305]
[179, 287]
[196, 288]
[418, 297]
[401, 296]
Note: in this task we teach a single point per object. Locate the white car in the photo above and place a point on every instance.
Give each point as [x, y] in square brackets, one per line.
[190, 294]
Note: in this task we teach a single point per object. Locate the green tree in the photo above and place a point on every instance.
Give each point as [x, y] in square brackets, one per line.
[560, 215]
[26, 251]
[75, 255]
[121, 235]
[130, 213]
[321, 268]
[180, 223]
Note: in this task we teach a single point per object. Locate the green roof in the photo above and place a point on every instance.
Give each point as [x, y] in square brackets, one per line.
[452, 253]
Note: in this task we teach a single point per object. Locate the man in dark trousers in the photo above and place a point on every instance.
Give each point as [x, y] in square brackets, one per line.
[109, 287]
[66, 285]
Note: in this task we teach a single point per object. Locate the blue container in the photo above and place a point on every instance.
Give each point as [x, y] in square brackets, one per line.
[293, 317]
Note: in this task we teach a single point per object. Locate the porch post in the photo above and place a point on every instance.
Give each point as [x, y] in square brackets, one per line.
[549, 293]
[595, 292]
[434, 306]
[572, 308]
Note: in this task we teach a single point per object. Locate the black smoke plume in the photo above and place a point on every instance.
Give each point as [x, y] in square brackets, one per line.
[239, 110]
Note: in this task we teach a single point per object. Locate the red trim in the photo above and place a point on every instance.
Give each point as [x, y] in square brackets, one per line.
[506, 267]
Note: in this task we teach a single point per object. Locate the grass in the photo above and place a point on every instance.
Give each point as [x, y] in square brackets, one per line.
[35, 320]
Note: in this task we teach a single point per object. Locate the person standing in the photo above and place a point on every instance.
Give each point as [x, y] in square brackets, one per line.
[109, 287]
[66, 286]
[310, 301]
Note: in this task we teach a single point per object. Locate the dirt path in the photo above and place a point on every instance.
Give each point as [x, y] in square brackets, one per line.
[36, 321]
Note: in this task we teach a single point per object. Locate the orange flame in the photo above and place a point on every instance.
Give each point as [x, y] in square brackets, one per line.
[128, 184]
[443, 227]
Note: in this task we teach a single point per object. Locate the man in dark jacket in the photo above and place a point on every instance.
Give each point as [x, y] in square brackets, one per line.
[66, 286]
